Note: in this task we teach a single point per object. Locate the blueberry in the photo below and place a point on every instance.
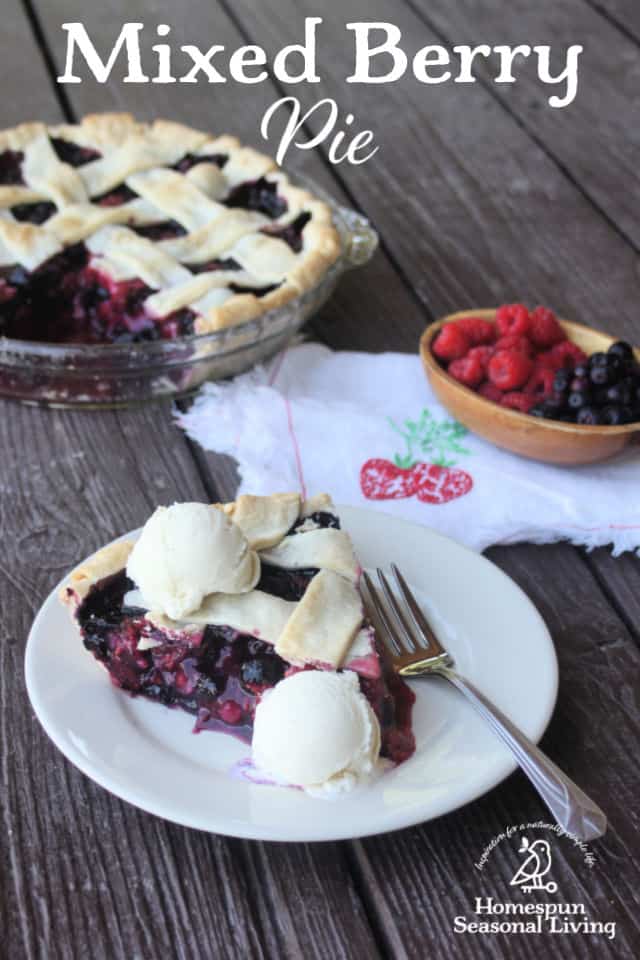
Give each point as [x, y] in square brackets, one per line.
[616, 367]
[589, 416]
[579, 384]
[620, 393]
[538, 411]
[599, 374]
[597, 360]
[18, 276]
[552, 409]
[555, 401]
[207, 686]
[582, 370]
[252, 672]
[578, 399]
[561, 381]
[623, 350]
[614, 415]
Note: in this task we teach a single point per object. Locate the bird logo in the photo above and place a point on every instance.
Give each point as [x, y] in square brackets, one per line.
[536, 865]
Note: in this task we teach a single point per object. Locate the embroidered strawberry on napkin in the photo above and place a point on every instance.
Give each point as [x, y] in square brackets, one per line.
[434, 481]
[368, 428]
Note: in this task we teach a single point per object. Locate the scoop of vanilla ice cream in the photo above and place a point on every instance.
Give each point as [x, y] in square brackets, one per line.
[316, 730]
[186, 552]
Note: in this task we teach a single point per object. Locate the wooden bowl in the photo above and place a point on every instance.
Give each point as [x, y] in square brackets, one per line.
[549, 440]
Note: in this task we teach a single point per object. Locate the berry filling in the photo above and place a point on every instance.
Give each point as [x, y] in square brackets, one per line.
[116, 197]
[166, 230]
[217, 673]
[11, 168]
[231, 264]
[72, 154]
[191, 160]
[211, 265]
[67, 300]
[81, 304]
[292, 233]
[36, 212]
[260, 195]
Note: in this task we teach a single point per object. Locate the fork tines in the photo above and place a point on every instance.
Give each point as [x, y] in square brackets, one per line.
[405, 629]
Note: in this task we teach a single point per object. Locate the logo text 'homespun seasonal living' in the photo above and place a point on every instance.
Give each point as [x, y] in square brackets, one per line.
[533, 876]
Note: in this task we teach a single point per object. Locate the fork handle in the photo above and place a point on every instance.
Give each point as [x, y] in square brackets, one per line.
[572, 808]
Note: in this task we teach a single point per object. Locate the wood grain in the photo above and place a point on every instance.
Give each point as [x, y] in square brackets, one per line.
[594, 139]
[624, 13]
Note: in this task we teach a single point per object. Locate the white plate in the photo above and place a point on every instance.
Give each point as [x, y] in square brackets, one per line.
[147, 755]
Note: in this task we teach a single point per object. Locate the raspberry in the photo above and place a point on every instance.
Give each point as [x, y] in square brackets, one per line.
[483, 353]
[567, 355]
[518, 401]
[546, 360]
[514, 342]
[490, 392]
[468, 370]
[540, 383]
[512, 318]
[509, 369]
[545, 331]
[451, 343]
[478, 330]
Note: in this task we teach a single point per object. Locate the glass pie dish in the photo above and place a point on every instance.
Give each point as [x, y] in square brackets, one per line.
[123, 374]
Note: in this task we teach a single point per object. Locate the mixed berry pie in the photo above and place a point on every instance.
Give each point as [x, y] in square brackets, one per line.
[287, 601]
[113, 230]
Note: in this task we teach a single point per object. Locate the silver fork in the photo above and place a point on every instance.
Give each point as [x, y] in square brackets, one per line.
[417, 652]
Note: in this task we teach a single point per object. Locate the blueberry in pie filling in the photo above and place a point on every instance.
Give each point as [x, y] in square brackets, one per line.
[295, 607]
[113, 230]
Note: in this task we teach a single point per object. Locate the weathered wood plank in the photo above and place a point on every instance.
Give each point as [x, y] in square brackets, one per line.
[624, 13]
[20, 53]
[596, 138]
[620, 581]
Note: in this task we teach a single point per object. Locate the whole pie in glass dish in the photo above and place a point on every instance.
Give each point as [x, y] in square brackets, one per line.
[114, 231]
[218, 610]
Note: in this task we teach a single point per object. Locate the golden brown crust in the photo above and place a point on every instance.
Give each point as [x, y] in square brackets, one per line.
[111, 559]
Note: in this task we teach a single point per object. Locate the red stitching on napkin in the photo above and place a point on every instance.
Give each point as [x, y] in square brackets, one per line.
[277, 367]
[607, 526]
[296, 448]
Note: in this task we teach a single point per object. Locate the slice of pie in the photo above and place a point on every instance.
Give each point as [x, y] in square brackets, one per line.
[113, 230]
[296, 607]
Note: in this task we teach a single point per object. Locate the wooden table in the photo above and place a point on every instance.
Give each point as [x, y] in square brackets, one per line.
[481, 194]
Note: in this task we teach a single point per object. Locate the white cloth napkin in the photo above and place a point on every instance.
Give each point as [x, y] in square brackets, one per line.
[368, 429]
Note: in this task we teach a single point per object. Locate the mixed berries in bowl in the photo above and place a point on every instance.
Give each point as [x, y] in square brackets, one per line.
[535, 384]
